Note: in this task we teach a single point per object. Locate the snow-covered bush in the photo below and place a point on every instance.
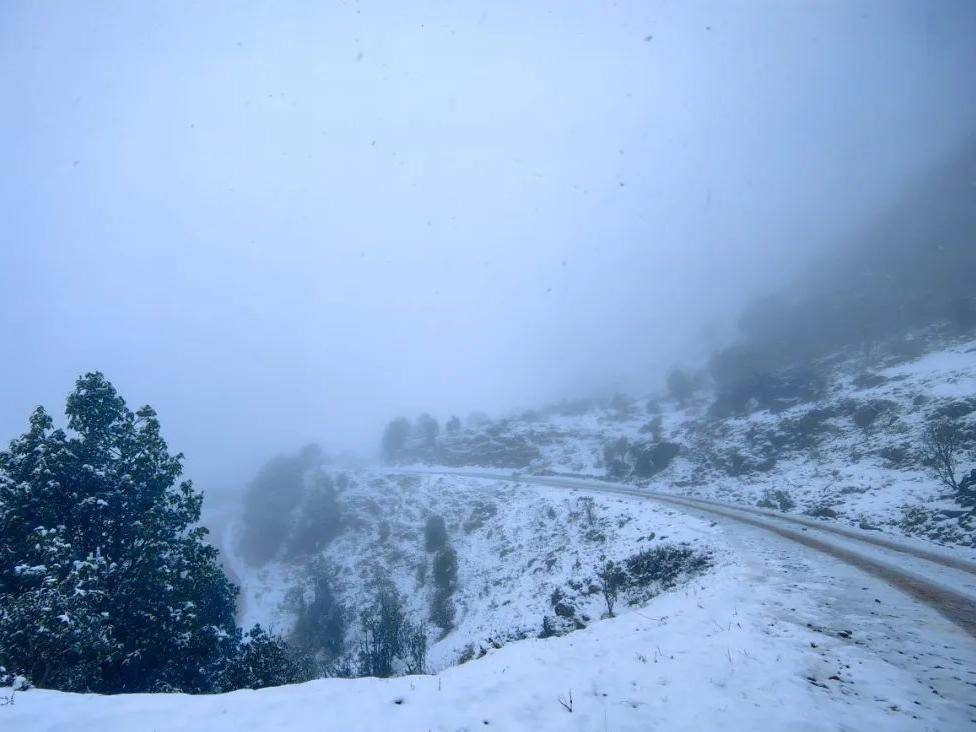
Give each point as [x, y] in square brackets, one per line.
[660, 568]
[262, 659]
[776, 499]
[625, 458]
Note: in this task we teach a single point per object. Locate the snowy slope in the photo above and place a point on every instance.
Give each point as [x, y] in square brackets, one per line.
[855, 451]
[516, 545]
[770, 640]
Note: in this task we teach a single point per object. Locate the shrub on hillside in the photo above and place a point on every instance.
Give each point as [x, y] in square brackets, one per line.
[613, 578]
[805, 431]
[444, 573]
[943, 443]
[663, 565]
[642, 575]
[320, 619]
[747, 383]
[777, 499]
[624, 458]
[867, 413]
[435, 533]
[262, 660]
[481, 513]
[653, 459]
[390, 641]
[488, 446]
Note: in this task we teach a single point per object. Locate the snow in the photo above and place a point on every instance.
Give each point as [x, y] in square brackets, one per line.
[946, 373]
[774, 636]
[537, 540]
[770, 641]
[867, 474]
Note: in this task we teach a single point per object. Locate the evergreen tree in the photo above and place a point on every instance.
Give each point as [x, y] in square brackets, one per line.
[435, 533]
[395, 438]
[106, 582]
[445, 570]
[320, 621]
[427, 430]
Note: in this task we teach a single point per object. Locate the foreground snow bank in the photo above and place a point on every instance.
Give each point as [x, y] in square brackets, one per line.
[711, 656]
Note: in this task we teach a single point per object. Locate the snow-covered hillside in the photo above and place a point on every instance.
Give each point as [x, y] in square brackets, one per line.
[765, 641]
[853, 453]
[524, 554]
[729, 626]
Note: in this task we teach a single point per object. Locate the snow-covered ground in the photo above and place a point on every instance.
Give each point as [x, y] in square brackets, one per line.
[773, 638]
[516, 545]
[855, 451]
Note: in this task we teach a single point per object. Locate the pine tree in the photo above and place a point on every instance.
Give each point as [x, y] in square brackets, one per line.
[106, 582]
[395, 438]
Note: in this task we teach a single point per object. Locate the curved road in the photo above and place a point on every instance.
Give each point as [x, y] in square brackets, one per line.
[942, 580]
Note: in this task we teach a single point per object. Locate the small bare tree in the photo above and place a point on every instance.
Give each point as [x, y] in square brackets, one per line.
[941, 444]
[588, 509]
[566, 702]
[612, 578]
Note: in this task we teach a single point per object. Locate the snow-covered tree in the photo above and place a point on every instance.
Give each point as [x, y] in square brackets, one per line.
[106, 581]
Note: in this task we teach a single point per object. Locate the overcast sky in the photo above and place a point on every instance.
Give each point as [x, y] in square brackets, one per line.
[290, 221]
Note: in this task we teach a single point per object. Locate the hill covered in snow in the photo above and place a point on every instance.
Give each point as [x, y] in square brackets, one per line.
[841, 438]
[478, 563]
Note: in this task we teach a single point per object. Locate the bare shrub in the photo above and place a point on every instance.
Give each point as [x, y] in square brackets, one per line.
[941, 446]
[389, 637]
[612, 579]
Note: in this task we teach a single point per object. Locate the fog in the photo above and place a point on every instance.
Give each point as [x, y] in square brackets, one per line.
[285, 222]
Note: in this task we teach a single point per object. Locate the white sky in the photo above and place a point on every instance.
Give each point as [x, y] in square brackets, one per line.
[287, 221]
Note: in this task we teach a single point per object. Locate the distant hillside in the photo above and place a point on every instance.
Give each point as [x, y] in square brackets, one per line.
[842, 437]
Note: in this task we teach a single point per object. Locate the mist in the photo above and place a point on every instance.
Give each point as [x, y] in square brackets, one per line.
[292, 222]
